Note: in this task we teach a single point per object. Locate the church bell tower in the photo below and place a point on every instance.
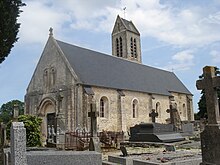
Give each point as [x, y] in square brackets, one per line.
[126, 40]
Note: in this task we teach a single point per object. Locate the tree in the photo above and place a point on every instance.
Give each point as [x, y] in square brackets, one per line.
[9, 12]
[202, 102]
[6, 110]
[32, 125]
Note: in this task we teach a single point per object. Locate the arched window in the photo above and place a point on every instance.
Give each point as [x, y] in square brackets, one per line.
[103, 107]
[184, 110]
[121, 48]
[117, 47]
[46, 78]
[53, 76]
[158, 108]
[135, 49]
[132, 50]
[134, 108]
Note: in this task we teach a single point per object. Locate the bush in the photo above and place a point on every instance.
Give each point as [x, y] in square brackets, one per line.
[32, 125]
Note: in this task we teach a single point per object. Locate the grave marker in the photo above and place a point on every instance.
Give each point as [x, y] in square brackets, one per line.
[18, 144]
[94, 144]
[153, 115]
[210, 143]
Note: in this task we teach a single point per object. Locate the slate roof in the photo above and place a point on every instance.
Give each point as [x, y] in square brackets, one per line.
[98, 69]
[129, 25]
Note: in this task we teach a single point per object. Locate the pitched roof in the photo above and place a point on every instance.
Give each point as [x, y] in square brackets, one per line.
[129, 25]
[98, 69]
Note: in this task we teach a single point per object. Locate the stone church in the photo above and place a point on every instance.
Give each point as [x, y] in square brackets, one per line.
[69, 78]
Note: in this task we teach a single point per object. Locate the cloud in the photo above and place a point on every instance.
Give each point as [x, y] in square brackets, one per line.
[191, 26]
[36, 19]
[181, 61]
[215, 56]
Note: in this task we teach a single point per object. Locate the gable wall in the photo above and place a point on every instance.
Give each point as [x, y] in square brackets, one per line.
[38, 90]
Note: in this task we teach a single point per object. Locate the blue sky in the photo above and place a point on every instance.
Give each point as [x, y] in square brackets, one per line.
[176, 35]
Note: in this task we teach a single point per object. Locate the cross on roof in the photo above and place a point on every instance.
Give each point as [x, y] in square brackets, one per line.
[209, 84]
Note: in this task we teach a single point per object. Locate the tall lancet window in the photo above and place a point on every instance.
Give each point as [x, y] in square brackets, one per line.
[53, 76]
[121, 47]
[135, 49]
[132, 49]
[134, 108]
[117, 47]
[103, 107]
[46, 78]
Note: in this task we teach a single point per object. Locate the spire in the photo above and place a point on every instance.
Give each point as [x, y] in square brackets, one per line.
[51, 31]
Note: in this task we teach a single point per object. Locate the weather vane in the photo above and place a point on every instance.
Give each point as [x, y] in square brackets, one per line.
[124, 11]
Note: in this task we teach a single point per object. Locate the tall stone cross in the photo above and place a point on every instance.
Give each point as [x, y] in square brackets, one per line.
[171, 111]
[209, 84]
[153, 115]
[93, 114]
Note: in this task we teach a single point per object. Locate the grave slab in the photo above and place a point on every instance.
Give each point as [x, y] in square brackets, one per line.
[154, 132]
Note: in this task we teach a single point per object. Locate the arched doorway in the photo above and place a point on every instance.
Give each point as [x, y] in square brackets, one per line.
[49, 125]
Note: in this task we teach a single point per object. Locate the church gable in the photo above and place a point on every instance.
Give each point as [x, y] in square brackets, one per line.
[52, 70]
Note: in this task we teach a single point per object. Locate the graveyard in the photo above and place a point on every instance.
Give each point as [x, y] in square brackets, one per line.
[149, 143]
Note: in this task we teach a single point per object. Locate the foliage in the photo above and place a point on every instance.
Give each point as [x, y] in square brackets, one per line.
[6, 110]
[202, 102]
[32, 125]
[9, 12]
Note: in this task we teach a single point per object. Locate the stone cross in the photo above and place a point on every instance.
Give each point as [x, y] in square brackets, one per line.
[209, 84]
[172, 110]
[153, 115]
[93, 114]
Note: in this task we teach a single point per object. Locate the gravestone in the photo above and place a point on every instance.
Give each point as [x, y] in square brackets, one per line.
[94, 144]
[18, 144]
[210, 143]
[154, 132]
[172, 110]
[153, 115]
[3, 135]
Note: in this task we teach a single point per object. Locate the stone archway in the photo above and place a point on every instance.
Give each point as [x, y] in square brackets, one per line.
[48, 115]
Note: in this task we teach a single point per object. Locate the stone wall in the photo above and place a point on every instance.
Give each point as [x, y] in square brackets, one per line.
[145, 103]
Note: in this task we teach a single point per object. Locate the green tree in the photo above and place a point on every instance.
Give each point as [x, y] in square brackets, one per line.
[32, 125]
[202, 102]
[6, 110]
[9, 27]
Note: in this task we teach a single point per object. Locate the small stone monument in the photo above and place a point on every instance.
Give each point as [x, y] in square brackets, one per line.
[18, 144]
[172, 112]
[94, 144]
[210, 143]
[153, 115]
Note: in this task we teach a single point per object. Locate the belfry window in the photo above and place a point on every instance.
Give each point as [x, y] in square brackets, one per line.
[117, 47]
[121, 47]
[132, 50]
[135, 49]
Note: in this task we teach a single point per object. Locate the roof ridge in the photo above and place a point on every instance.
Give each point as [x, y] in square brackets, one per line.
[111, 56]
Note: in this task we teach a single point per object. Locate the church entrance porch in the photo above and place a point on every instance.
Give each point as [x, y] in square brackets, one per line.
[49, 123]
[51, 128]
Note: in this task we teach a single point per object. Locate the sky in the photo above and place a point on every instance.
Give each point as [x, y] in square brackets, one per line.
[181, 36]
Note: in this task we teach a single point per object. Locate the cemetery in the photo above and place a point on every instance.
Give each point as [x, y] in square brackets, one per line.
[149, 143]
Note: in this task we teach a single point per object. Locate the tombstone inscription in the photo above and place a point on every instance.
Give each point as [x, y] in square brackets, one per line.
[210, 144]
